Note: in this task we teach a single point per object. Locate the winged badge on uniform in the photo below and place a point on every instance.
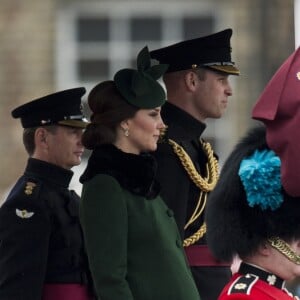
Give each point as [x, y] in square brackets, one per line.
[24, 214]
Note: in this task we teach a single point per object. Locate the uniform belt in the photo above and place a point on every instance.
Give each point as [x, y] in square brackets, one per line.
[200, 256]
[69, 291]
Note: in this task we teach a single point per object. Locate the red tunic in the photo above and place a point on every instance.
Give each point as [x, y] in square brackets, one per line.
[251, 287]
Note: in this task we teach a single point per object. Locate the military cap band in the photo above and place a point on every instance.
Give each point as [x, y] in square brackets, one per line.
[225, 67]
[218, 64]
[66, 120]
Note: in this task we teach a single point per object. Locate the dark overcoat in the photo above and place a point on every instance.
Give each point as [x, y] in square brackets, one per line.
[41, 240]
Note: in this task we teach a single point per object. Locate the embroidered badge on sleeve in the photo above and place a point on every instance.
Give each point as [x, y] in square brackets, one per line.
[23, 213]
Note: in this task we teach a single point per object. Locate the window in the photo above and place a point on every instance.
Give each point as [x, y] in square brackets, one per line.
[97, 39]
[92, 29]
[145, 28]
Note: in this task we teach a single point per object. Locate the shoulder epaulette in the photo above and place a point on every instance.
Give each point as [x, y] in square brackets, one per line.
[243, 284]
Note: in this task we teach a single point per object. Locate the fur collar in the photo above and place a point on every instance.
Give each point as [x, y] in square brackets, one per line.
[135, 173]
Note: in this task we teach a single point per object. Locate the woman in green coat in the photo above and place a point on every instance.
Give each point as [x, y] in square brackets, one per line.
[133, 245]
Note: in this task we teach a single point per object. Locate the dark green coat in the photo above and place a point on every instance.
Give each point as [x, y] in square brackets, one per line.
[134, 248]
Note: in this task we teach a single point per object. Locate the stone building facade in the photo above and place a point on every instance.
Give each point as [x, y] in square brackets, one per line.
[51, 45]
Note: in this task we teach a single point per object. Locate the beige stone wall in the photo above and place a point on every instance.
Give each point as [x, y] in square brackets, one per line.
[26, 60]
[263, 38]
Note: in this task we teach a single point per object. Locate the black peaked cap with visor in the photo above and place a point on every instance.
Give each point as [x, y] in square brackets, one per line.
[61, 108]
[211, 51]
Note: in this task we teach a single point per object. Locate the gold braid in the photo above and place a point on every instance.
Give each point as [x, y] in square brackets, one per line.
[285, 249]
[205, 184]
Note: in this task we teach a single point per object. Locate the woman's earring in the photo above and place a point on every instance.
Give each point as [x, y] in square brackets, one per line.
[126, 132]
[162, 134]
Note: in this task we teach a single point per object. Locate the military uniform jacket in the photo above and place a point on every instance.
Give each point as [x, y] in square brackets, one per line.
[177, 189]
[40, 236]
[252, 283]
[133, 244]
[181, 194]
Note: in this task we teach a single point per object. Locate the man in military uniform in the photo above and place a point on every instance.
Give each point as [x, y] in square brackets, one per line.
[254, 210]
[250, 214]
[197, 88]
[42, 253]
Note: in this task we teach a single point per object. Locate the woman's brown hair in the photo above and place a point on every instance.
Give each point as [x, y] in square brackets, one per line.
[109, 109]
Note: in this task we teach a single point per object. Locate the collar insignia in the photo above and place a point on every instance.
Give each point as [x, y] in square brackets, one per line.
[271, 279]
[23, 213]
[29, 187]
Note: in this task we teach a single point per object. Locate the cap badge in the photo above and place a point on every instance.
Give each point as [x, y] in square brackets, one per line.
[194, 66]
[23, 213]
[29, 187]
[298, 75]
[45, 121]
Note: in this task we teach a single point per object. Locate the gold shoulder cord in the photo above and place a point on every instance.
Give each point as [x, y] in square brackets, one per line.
[205, 184]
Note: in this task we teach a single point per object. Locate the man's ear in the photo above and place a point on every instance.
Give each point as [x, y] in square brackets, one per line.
[191, 79]
[40, 136]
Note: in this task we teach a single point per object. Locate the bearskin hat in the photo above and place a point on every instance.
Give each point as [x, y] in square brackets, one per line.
[234, 226]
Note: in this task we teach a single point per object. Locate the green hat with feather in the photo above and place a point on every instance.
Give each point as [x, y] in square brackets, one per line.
[140, 87]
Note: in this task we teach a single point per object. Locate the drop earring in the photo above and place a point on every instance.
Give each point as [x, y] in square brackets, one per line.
[126, 132]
